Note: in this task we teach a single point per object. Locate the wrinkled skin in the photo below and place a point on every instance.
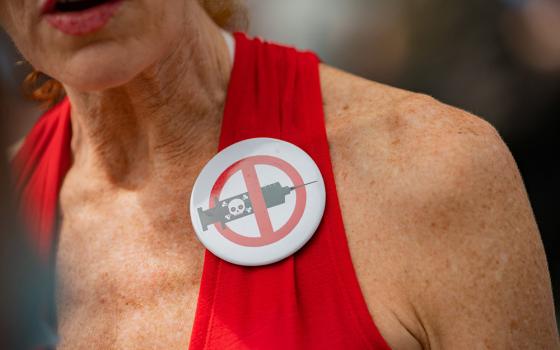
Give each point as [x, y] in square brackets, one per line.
[440, 230]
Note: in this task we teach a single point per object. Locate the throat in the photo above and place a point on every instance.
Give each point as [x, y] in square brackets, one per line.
[165, 121]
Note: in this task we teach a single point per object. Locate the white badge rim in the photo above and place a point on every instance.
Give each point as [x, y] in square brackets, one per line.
[279, 250]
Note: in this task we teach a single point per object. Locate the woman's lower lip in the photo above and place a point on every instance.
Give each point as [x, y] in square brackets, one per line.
[83, 22]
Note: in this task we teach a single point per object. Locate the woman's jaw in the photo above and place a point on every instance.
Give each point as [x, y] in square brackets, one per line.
[133, 35]
[130, 36]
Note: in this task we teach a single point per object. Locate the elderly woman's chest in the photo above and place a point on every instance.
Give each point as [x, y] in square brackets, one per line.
[128, 269]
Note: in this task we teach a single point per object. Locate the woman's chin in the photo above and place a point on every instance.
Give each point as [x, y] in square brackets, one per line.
[90, 75]
[99, 65]
[94, 81]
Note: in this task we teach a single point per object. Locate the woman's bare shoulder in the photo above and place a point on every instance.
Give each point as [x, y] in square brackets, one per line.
[409, 140]
[393, 134]
[437, 218]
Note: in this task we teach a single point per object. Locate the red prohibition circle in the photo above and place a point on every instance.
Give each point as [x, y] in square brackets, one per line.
[267, 234]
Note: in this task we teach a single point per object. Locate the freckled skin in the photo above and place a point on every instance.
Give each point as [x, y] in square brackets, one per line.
[440, 230]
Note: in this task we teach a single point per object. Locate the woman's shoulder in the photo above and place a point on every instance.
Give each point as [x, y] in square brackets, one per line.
[413, 157]
[431, 194]
[409, 140]
[394, 128]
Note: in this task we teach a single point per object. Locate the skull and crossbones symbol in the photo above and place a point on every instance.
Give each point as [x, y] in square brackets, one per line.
[236, 207]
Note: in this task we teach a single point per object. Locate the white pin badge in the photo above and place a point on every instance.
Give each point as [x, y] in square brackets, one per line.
[257, 201]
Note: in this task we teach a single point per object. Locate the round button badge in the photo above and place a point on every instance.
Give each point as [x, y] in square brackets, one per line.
[257, 201]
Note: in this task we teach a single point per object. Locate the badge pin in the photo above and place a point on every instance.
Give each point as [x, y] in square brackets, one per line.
[257, 201]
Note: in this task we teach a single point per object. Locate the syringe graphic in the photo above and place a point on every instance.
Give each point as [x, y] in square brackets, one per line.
[239, 206]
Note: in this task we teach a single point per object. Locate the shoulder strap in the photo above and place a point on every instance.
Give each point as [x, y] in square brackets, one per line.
[39, 168]
[310, 300]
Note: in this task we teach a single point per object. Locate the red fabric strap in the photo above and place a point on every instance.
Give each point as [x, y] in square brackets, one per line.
[312, 299]
[39, 168]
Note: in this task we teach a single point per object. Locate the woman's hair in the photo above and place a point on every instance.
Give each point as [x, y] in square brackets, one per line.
[228, 14]
[43, 89]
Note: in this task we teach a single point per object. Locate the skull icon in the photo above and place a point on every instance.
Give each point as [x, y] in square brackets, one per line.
[236, 207]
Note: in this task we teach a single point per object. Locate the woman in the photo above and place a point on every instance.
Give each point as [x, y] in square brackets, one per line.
[439, 228]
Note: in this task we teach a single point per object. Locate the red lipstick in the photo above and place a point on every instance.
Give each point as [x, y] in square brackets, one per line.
[79, 17]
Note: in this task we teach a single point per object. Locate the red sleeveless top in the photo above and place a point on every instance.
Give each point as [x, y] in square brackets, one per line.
[310, 300]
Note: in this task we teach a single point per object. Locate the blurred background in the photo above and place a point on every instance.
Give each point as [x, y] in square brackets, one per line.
[498, 59]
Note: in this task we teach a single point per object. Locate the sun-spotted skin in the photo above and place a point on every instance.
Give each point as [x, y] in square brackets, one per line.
[440, 230]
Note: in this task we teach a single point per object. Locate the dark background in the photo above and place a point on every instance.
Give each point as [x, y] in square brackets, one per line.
[497, 59]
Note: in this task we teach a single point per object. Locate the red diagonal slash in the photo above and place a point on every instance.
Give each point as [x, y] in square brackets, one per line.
[267, 234]
[257, 199]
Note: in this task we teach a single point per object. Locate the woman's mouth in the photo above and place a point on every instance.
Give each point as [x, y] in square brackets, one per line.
[79, 17]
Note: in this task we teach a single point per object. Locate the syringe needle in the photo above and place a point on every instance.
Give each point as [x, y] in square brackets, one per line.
[295, 187]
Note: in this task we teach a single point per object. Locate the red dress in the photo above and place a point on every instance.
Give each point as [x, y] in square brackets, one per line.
[310, 300]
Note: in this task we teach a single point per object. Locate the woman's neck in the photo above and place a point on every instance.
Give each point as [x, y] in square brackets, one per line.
[164, 122]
